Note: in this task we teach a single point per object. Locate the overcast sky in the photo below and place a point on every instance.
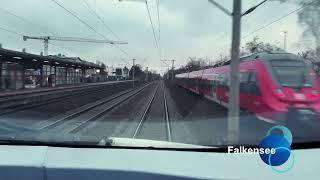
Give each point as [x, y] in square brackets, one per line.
[188, 28]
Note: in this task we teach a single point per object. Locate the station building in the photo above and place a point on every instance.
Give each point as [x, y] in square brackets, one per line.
[21, 70]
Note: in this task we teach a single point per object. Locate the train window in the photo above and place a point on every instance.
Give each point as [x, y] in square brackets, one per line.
[291, 73]
[287, 63]
[208, 85]
[214, 86]
[244, 79]
[253, 84]
[224, 80]
[203, 83]
[220, 80]
[253, 77]
[227, 81]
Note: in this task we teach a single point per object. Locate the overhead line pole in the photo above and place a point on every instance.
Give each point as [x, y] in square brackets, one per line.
[233, 113]
[234, 100]
[233, 109]
[219, 6]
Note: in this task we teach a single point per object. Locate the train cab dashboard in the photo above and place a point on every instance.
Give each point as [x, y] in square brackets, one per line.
[49, 163]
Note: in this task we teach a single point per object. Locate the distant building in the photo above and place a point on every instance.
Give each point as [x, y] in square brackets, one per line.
[117, 73]
[125, 72]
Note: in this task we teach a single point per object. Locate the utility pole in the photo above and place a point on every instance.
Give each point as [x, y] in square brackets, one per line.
[285, 33]
[133, 68]
[172, 67]
[233, 109]
[168, 66]
[233, 113]
[46, 46]
[147, 74]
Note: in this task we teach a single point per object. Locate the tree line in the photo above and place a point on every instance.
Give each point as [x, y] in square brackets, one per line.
[253, 46]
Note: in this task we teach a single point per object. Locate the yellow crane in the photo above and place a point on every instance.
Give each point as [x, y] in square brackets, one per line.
[46, 39]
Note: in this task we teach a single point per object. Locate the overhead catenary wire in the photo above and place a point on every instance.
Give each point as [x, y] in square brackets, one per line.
[100, 19]
[25, 20]
[86, 24]
[159, 28]
[34, 24]
[157, 42]
[31, 23]
[152, 26]
[278, 19]
[158, 13]
[21, 35]
[11, 31]
[79, 19]
[253, 8]
[107, 27]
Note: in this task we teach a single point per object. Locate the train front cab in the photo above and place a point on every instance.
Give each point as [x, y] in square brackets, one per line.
[287, 92]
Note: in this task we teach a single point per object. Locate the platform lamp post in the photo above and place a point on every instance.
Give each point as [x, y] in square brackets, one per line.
[285, 35]
[233, 109]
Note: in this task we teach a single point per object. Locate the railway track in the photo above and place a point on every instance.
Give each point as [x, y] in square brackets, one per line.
[146, 122]
[21, 107]
[68, 94]
[75, 120]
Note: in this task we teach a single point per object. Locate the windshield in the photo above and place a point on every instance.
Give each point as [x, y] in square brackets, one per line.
[292, 73]
[158, 73]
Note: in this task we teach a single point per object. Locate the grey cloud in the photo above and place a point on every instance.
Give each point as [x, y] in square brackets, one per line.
[188, 27]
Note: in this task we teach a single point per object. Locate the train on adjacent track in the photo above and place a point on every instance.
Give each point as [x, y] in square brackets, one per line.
[275, 86]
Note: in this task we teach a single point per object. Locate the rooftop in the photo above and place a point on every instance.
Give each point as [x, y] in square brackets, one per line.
[51, 59]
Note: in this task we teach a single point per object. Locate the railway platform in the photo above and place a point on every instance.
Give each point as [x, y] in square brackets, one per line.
[22, 70]
[8, 93]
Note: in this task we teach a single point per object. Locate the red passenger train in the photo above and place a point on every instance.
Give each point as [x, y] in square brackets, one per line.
[271, 86]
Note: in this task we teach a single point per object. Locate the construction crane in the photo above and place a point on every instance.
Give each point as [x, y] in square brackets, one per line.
[46, 39]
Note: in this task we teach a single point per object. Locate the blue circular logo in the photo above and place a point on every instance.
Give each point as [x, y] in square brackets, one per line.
[279, 147]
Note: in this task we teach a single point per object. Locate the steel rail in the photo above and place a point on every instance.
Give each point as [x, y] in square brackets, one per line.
[143, 117]
[167, 118]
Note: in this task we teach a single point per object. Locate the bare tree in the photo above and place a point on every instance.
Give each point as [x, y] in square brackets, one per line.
[308, 17]
[256, 45]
